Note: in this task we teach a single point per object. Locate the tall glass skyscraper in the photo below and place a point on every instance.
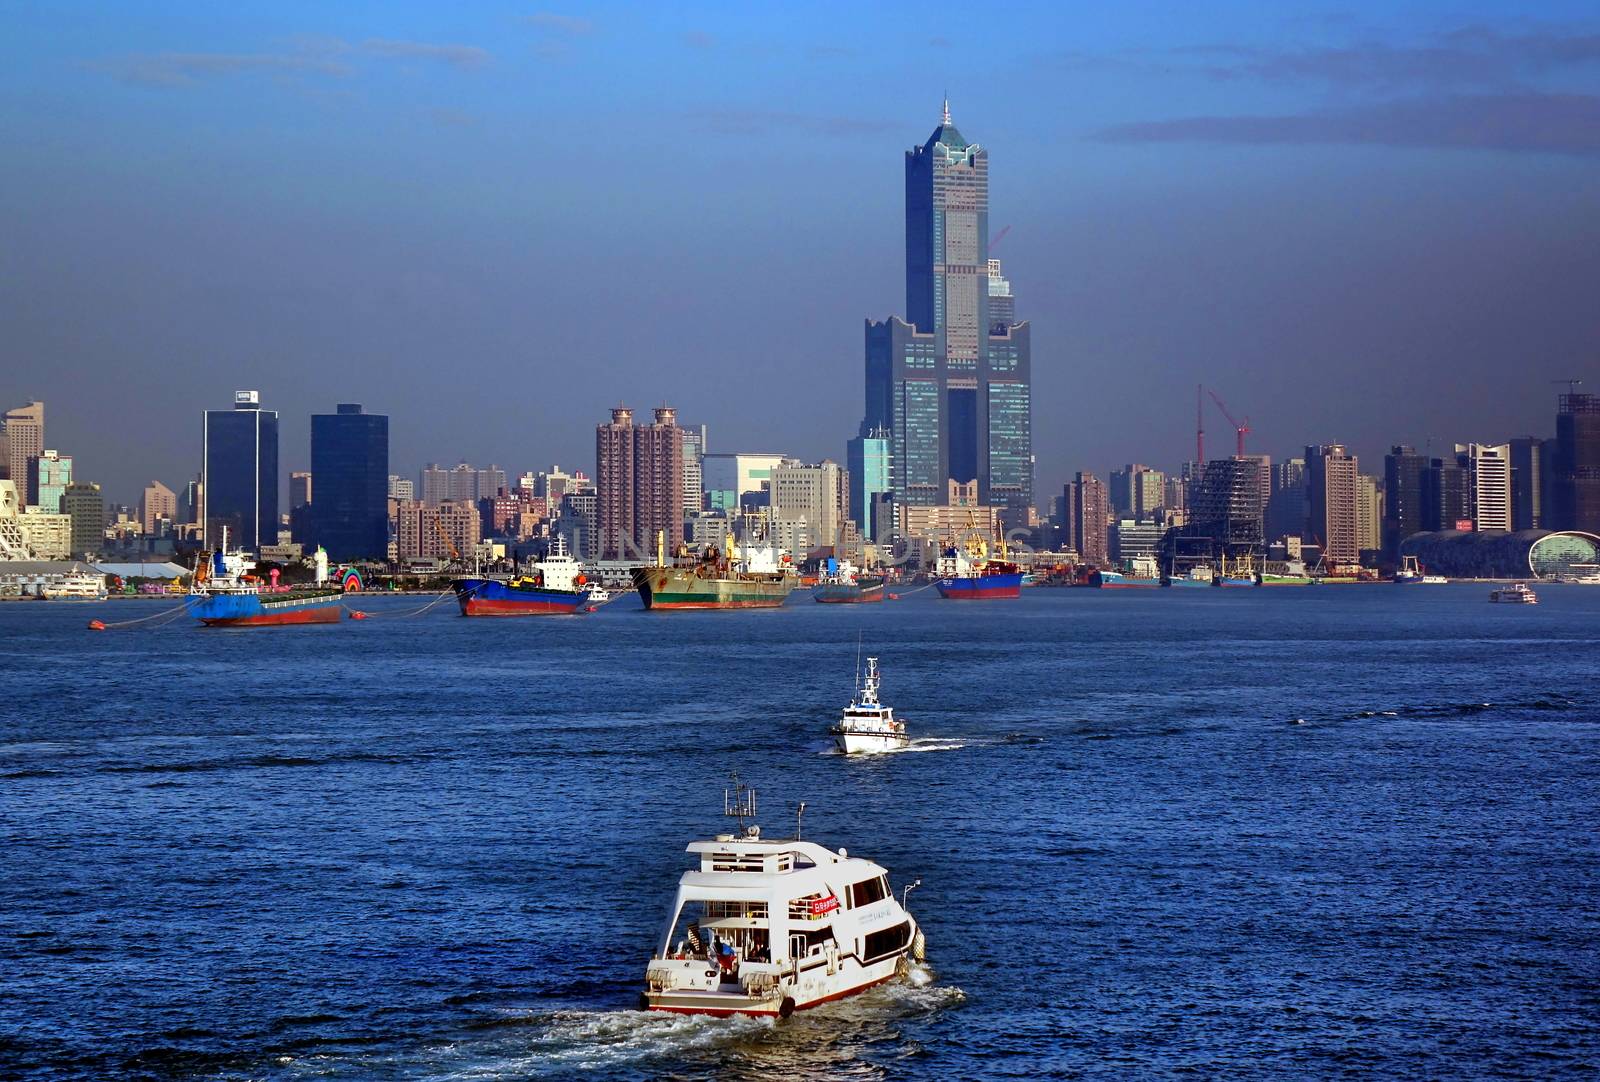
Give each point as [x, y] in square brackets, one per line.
[240, 477]
[350, 479]
[952, 381]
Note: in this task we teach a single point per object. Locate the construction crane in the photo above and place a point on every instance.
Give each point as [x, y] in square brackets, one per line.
[1240, 428]
[1199, 426]
[1572, 384]
[455, 554]
[998, 237]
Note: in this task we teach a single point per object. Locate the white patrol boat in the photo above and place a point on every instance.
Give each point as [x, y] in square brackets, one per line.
[766, 927]
[866, 724]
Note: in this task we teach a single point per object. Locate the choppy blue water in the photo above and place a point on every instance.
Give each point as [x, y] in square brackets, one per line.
[440, 848]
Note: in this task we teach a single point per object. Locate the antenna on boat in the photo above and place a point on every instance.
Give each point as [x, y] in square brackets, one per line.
[738, 801]
[858, 660]
[798, 812]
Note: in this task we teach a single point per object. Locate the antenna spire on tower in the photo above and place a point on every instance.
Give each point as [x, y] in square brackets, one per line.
[946, 108]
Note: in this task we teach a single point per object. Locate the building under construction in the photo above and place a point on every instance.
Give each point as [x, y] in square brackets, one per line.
[1225, 518]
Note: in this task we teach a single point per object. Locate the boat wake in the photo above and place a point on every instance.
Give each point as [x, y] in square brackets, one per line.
[925, 744]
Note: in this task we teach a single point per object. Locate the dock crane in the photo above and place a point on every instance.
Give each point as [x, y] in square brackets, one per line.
[1240, 428]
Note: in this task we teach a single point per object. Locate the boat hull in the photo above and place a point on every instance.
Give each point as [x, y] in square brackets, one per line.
[848, 593]
[869, 743]
[670, 588]
[777, 1005]
[1112, 580]
[251, 610]
[981, 587]
[1190, 584]
[489, 597]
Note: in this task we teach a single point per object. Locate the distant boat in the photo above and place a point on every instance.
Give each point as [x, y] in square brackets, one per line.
[965, 571]
[1412, 574]
[1116, 580]
[76, 585]
[555, 586]
[866, 724]
[1517, 593]
[841, 582]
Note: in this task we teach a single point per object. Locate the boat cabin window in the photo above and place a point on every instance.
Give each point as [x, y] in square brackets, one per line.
[700, 926]
[868, 891]
[887, 942]
[813, 907]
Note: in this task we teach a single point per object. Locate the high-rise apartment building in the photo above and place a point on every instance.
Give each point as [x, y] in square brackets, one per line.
[869, 459]
[951, 382]
[83, 503]
[1137, 492]
[1369, 513]
[49, 474]
[694, 451]
[1331, 472]
[640, 484]
[240, 473]
[1575, 465]
[350, 461]
[158, 503]
[1404, 508]
[402, 488]
[1530, 477]
[1488, 477]
[449, 531]
[461, 482]
[1446, 496]
[24, 436]
[1089, 515]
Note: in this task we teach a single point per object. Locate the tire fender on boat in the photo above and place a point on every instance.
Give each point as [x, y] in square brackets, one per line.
[786, 1008]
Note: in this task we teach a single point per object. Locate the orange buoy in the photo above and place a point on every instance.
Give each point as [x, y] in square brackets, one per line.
[97, 625]
[357, 614]
[894, 597]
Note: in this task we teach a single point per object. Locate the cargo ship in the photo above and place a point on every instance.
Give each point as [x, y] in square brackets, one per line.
[557, 586]
[225, 594]
[760, 578]
[966, 573]
[843, 583]
[1116, 580]
[1198, 575]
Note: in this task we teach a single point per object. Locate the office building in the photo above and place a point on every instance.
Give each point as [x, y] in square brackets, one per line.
[1225, 516]
[1131, 539]
[869, 460]
[1446, 497]
[1530, 477]
[48, 533]
[733, 481]
[24, 439]
[1331, 472]
[951, 382]
[639, 469]
[350, 461]
[299, 489]
[578, 523]
[240, 474]
[49, 474]
[1286, 500]
[1575, 464]
[1404, 508]
[815, 495]
[159, 503]
[1488, 480]
[83, 503]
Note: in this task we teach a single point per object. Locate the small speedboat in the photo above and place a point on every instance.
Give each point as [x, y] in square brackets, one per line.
[768, 927]
[1517, 593]
[866, 724]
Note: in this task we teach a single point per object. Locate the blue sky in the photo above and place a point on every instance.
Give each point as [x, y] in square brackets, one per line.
[495, 221]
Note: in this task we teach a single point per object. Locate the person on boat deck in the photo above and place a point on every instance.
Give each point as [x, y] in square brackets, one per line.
[725, 956]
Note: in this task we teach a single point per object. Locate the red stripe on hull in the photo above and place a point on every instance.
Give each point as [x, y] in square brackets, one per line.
[321, 614]
[774, 1014]
[477, 606]
[982, 595]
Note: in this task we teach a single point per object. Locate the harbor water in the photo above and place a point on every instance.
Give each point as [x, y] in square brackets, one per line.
[1346, 832]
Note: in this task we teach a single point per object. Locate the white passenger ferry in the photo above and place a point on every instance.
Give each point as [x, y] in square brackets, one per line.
[768, 927]
[866, 724]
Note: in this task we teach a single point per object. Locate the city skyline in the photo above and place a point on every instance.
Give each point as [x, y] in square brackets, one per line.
[1412, 273]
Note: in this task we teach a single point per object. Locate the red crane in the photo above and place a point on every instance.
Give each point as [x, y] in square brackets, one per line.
[998, 237]
[1240, 428]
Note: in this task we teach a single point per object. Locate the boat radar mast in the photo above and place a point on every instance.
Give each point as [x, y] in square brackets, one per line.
[739, 802]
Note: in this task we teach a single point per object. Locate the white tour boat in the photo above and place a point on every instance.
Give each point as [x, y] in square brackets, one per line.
[76, 585]
[1517, 593]
[769, 927]
[866, 724]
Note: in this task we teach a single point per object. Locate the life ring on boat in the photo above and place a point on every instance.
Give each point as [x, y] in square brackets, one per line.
[786, 1008]
[583, 580]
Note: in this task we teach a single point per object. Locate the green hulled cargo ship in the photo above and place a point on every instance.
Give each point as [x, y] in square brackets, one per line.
[759, 580]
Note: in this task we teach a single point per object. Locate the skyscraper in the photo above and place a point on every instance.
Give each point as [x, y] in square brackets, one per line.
[240, 473]
[640, 489]
[1331, 496]
[1488, 469]
[49, 474]
[1286, 502]
[1089, 515]
[694, 451]
[1530, 476]
[1575, 464]
[83, 503]
[24, 431]
[159, 502]
[1446, 501]
[350, 465]
[1404, 510]
[1369, 513]
[1137, 491]
[951, 382]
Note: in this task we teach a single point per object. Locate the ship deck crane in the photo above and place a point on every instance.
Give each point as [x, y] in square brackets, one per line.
[1240, 428]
